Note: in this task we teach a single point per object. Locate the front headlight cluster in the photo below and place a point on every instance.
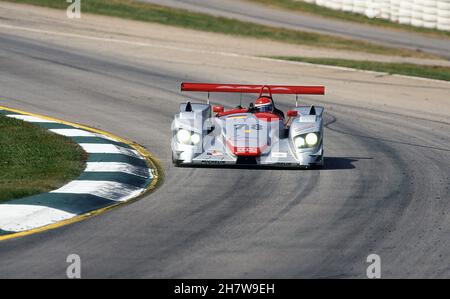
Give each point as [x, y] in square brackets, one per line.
[187, 137]
[306, 140]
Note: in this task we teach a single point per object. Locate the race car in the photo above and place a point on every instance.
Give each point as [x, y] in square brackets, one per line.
[259, 134]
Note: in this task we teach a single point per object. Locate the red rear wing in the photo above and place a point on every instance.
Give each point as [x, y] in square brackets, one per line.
[238, 88]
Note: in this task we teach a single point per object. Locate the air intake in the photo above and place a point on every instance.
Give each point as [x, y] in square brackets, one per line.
[188, 107]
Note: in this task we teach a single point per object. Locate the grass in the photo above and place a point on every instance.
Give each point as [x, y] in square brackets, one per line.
[424, 71]
[348, 16]
[34, 161]
[177, 17]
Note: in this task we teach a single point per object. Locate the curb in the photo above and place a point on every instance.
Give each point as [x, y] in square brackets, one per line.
[117, 172]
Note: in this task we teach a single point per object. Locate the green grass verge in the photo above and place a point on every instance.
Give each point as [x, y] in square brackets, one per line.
[33, 160]
[415, 70]
[176, 17]
[347, 16]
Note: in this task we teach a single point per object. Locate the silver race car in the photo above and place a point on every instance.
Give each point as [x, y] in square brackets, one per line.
[256, 135]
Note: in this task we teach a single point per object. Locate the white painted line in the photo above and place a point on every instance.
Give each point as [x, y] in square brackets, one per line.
[17, 218]
[98, 148]
[184, 49]
[110, 190]
[107, 137]
[117, 167]
[73, 133]
[31, 119]
[80, 133]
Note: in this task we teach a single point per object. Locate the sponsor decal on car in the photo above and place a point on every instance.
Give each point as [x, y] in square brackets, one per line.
[237, 117]
[215, 153]
[279, 155]
[250, 150]
[307, 119]
[213, 162]
[287, 164]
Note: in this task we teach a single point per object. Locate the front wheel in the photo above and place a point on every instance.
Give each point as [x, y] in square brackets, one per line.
[318, 165]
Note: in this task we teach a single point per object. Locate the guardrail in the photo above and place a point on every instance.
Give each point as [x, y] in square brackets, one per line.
[433, 14]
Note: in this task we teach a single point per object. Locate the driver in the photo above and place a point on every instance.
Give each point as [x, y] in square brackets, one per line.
[263, 104]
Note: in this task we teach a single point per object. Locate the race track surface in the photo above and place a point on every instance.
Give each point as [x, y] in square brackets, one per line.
[384, 190]
[251, 12]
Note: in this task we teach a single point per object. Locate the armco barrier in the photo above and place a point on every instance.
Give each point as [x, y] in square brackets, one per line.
[443, 15]
[420, 13]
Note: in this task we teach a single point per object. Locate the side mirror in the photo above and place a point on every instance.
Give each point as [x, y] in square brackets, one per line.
[218, 109]
[292, 113]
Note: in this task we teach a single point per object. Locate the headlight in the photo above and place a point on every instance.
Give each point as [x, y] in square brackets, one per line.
[184, 136]
[311, 139]
[195, 138]
[299, 142]
[305, 141]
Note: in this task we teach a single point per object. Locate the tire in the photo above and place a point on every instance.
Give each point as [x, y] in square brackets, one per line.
[321, 164]
[316, 167]
[175, 162]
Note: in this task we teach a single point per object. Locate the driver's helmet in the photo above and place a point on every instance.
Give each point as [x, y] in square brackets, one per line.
[264, 104]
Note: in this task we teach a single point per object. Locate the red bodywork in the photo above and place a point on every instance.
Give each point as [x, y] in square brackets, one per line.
[265, 116]
[246, 151]
[232, 111]
[239, 88]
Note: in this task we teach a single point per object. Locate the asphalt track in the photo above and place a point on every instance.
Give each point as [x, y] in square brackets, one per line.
[251, 12]
[384, 190]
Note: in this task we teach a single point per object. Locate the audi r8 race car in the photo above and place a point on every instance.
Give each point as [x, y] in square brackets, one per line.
[259, 134]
